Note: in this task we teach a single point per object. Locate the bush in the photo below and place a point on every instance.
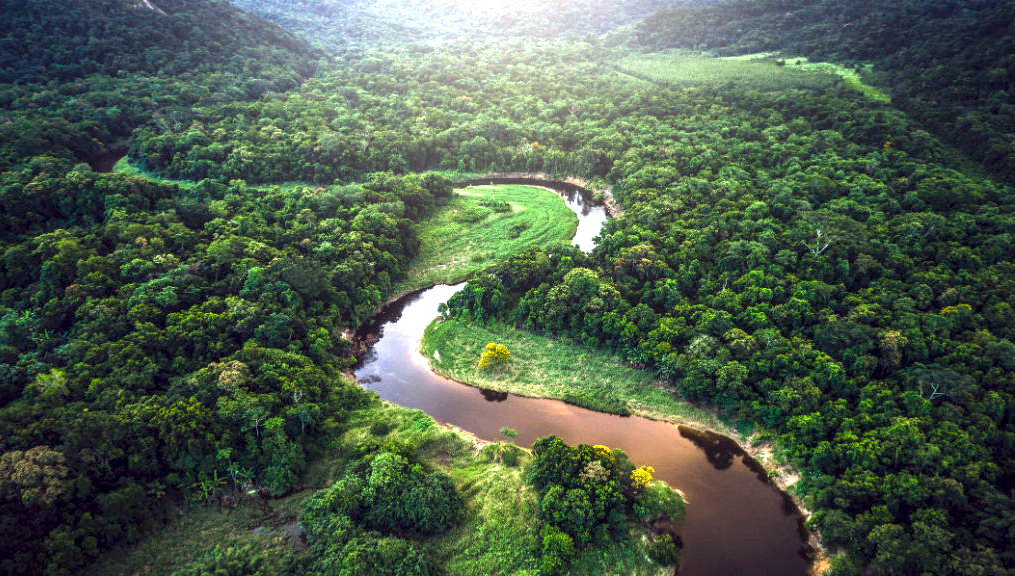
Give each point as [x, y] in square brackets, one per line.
[657, 501]
[663, 550]
[558, 549]
[641, 477]
[380, 428]
[245, 560]
[509, 455]
[494, 355]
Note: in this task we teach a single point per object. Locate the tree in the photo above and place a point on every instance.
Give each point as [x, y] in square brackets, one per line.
[823, 228]
[558, 549]
[641, 477]
[494, 356]
[35, 476]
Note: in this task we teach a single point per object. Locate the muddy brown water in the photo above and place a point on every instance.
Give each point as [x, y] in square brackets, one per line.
[737, 521]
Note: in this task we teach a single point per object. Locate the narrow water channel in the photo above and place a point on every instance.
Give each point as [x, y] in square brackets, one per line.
[736, 524]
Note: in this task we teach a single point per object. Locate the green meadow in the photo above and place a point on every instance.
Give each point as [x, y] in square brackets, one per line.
[544, 367]
[483, 226]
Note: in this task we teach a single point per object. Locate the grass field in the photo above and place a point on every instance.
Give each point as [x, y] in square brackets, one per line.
[849, 75]
[195, 532]
[543, 367]
[499, 534]
[682, 69]
[476, 231]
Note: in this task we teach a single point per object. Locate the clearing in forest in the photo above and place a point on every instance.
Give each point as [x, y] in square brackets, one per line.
[483, 226]
[678, 69]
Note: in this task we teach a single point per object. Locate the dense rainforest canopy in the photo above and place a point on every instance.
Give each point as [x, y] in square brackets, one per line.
[951, 65]
[818, 264]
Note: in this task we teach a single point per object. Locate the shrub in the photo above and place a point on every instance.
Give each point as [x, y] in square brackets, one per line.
[380, 428]
[663, 550]
[247, 560]
[494, 355]
[641, 477]
[657, 501]
[509, 455]
[558, 549]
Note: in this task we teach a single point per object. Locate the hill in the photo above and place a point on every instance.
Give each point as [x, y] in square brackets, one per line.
[949, 64]
[363, 23]
[77, 77]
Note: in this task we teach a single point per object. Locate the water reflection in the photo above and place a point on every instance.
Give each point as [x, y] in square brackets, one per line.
[719, 450]
[493, 395]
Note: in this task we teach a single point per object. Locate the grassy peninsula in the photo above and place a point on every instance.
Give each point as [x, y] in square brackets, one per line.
[482, 226]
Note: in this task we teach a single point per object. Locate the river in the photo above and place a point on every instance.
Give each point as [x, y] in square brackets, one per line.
[737, 522]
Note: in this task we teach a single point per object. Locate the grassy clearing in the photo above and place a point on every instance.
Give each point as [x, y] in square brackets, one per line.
[543, 367]
[499, 534]
[193, 534]
[850, 76]
[680, 69]
[481, 227]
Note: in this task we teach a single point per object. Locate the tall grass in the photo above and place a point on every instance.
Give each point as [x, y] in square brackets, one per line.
[543, 367]
[677, 69]
[475, 231]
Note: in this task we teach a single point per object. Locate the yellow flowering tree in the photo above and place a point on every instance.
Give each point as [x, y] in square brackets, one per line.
[641, 477]
[494, 355]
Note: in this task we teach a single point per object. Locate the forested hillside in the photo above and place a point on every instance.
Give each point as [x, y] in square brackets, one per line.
[340, 24]
[157, 339]
[949, 64]
[804, 259]
[79, 77]
[786, 258]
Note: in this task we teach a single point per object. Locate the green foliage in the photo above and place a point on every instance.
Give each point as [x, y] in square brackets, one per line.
[662, 550]
[805, 259]
[558, 549]
[386, 492]
[657, 501]
[946, 64]
[247, 560]
[380, 428]
[509, 455]
[586, 494]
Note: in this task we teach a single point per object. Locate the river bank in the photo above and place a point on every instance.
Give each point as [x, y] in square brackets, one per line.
[728, 503]
[544, 368]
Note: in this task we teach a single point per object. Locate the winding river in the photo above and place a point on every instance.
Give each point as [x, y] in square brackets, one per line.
[737, 522]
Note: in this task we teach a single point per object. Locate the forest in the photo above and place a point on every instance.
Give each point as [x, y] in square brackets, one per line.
[829, 270]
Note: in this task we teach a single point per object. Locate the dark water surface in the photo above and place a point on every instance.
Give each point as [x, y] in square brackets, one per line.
[737, 523]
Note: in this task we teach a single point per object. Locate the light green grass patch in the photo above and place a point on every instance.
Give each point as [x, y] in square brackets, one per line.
[850, 76]
[467, 236]
[191, 536]
[499, 535]
[544, 368]
[681, 69]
